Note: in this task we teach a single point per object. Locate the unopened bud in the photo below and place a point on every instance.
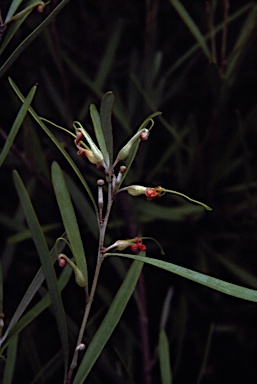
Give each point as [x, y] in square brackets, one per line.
[122, 170]
[80, 347]
[89, 154]
[125, 151]
[100, 184]
[97, 154]
[79, 277]
[136, 190]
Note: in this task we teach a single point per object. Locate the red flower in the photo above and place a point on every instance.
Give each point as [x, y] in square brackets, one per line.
[138, 245]
[151, 193]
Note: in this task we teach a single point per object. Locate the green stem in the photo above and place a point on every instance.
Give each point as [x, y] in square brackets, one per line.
[100, 258]
[188, 198]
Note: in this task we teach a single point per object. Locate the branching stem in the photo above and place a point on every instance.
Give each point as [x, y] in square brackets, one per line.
[102, 230]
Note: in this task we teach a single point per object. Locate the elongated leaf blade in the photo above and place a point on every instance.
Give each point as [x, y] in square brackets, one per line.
[35, 311]
[46, 262]
[11, 358]
[13, 8]
[191, 26]
[106, 121]
[69, 218]
[17, 123]
[57, 144]
[14, 26]
[99, 133]
[164, 357]
[30, 293]
[200, 278]
[15, 54]
[109, 323]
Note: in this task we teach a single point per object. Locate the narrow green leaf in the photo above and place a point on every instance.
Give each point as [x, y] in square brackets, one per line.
[191, 26]
[13, 8]
[106, 62]
[35, 311]
[57, 144]
[200, 278]
[81, 203]
[13, 27]
[106, 122]
[247, 33]
[164, 357]
[11, 359]
[109, 323]
[31, 291]
[17, 123]
[46, 262]
[15, 54]
[99, 133]
[69, 218]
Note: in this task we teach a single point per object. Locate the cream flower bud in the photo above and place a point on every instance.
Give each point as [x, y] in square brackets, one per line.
[97, 154]
[136, 190]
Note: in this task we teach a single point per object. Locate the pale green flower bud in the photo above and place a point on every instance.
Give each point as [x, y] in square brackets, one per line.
[79, 277]
[125, 151]
[136, 190]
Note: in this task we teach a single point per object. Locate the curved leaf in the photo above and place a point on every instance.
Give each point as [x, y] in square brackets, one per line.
[191, 26]
[15, 54]
[109, 322]
[58, 145]
[46, 262]
[106, 121]
[164, 357]
[10, 363]
[200, 278]
[69, 218]
[17, 123]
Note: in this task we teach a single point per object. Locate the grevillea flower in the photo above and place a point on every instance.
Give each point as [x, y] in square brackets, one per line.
[134, 244]
[151, 193]
[138, 245]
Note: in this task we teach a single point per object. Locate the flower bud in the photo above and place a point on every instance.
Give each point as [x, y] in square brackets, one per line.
[97, 154]
[88, 153]
[124, 152]
[79, 277]
[136, 190]
[80, 347]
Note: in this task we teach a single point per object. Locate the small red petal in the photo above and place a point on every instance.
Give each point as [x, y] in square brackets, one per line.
[133, 247]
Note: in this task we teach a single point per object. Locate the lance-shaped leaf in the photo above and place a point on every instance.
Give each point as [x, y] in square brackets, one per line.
[57, 144]
[30, 293]
[69, 218]
[17, 123]
[35, 311]
[99, 133]
[164, 358]
[10, 363]
[35, 32]
[109, 323]
[106, 121]
[191, 26]
[200, 278]
[46, 262]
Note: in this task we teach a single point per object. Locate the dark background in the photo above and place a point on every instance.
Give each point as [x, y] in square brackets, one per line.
[203, 145]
